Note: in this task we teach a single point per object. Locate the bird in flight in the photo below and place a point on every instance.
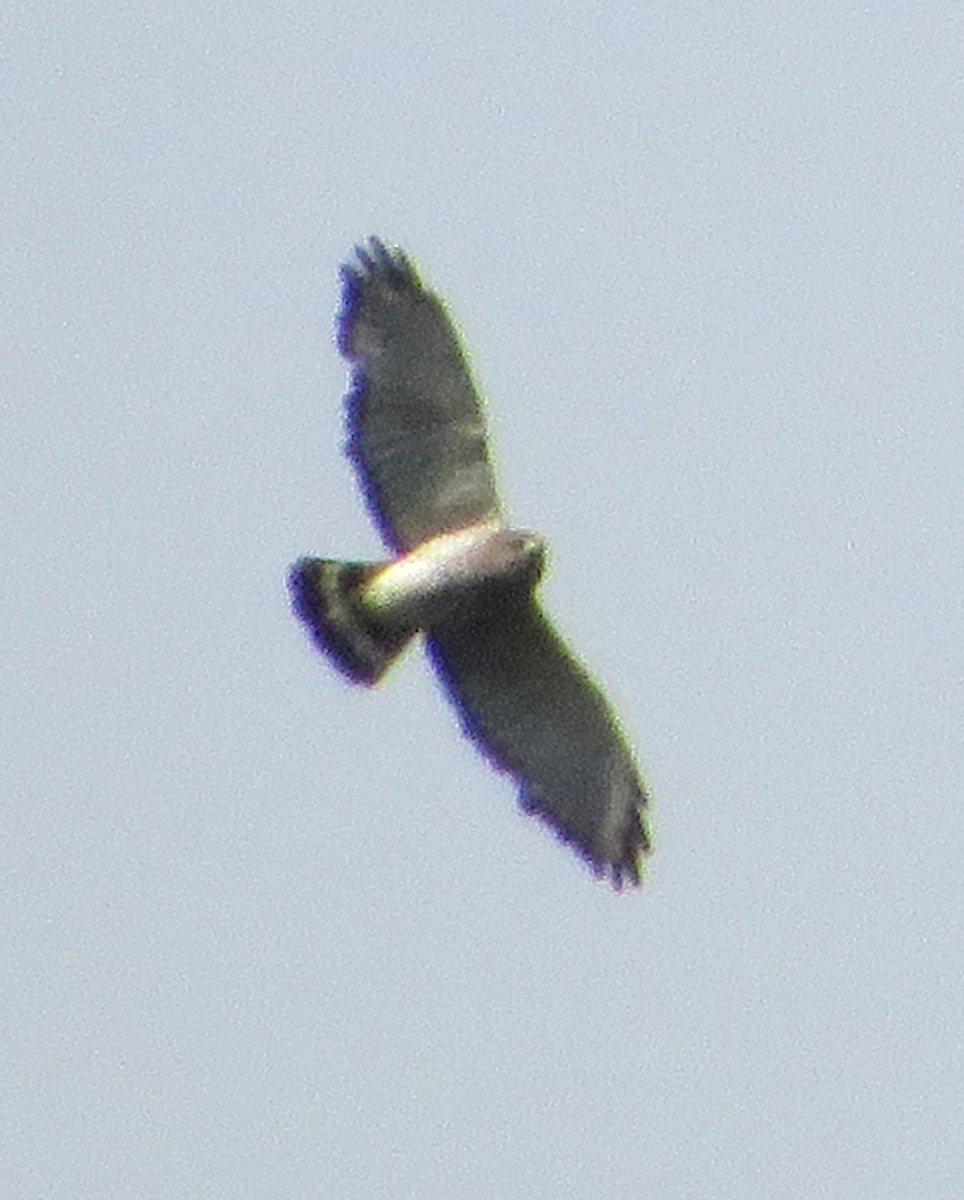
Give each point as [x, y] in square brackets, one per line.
[460, 576]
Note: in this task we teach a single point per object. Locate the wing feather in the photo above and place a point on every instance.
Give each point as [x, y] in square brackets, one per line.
[535, 713]
[416, 428]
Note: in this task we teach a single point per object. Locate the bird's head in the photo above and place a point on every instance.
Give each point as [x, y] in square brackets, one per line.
[517, 556]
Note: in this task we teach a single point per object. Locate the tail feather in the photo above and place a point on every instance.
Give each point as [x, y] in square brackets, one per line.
[325, 596]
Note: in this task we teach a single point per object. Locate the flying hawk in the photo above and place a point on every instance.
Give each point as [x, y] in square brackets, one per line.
[459, 575]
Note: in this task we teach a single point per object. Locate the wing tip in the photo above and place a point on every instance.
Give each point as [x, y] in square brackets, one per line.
[622, 869]
[617, 858]
[375, 264]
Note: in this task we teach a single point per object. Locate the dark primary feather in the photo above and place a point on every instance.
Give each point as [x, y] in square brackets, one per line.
[534, 712]
[416, 428]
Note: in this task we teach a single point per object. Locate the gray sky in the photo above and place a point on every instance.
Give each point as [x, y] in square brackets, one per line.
[267, 936]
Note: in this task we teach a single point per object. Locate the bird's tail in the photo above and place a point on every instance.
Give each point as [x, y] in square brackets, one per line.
[326, 596]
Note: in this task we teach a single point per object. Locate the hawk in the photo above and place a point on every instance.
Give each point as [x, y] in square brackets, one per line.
[459, 575]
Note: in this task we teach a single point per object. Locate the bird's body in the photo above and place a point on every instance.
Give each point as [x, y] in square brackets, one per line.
[451, 575]
[460, 576]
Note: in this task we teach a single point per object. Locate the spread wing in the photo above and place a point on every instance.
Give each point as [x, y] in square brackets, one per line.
[415, 423]
[534, 712]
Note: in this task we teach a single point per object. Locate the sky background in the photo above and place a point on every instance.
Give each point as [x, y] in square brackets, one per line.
[264, 935]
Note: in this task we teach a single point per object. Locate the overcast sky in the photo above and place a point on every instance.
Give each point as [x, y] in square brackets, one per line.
[264, 935]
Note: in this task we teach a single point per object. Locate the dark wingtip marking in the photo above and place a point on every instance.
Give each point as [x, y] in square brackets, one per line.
[375, 264]
[626, 871]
